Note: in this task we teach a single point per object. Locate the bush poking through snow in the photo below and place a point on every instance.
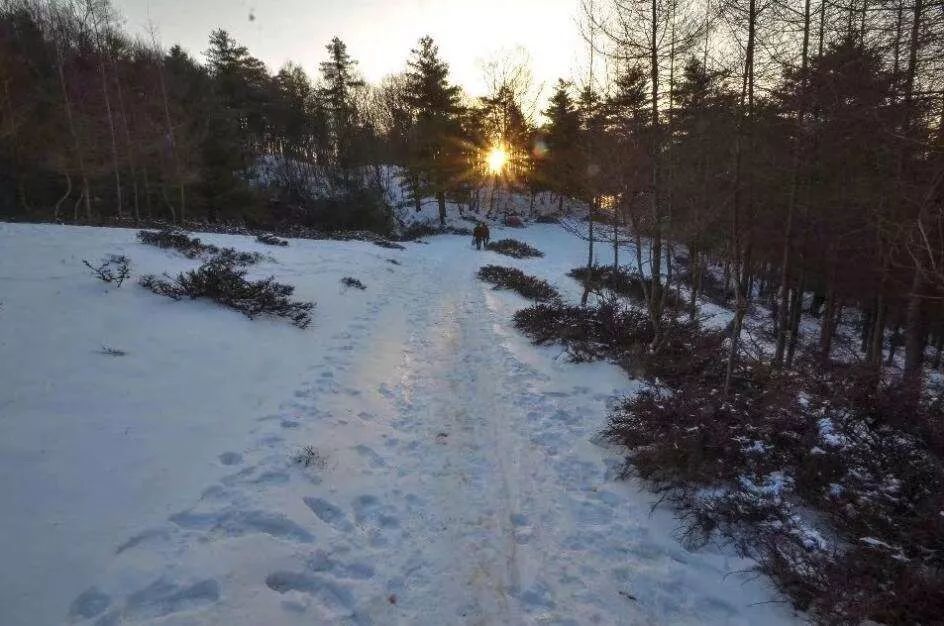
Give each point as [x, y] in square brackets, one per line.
[516, 280]
[221, 282]
[271, 240]
[623, 334]
[114, 269]
[785, 444]
[193, 248]
[418, 231]
[229, 256]
[513, 221]
[383, 243]
[621, 282]
[547, 219]
[311, 457]
[352, 283]
[513, 248]
[109, 351]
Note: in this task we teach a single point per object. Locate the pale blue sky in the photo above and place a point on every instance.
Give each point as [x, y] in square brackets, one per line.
[379, 33]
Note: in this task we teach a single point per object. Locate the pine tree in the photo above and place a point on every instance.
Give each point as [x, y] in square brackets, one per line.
[236, 125]
[435, 153]
[561, 164]
[337, 96]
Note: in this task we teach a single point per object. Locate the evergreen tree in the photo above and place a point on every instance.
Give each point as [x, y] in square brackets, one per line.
[236, 126]
[560, 165]
[435, 155]
[337, 95]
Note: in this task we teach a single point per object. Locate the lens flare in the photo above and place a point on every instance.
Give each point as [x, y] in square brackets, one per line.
[496, 159]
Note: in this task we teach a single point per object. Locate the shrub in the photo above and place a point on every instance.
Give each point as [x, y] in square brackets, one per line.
[113, 269]
[271, 240]
[229, 256]
[621, 282]
[589, 333]
[417, 231]
[193, 248]
[353, 206]
[516, 280]
[624, 335]
[839, 503]
[513, 248]
[390, 245]
[311, 457]
[222, 283]
[547, 219]
[513, 221]
[350, 282]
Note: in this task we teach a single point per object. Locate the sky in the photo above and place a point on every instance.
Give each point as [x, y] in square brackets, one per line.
[379, 33]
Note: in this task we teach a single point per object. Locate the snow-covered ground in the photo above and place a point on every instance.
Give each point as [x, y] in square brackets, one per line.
[453, 476]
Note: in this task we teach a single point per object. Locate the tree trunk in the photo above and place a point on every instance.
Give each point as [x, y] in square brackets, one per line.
[916, 335]
[916, 316]
[828, 326]
[868, 318]
[742, 251]
[173, 150]
[655, 299]
[111, 130]
[441, 199]
[877, 339]
[796, 314]
[130, 148]
[781, 323]
[615, 240]
[77, 147]
[65, 196]
[586, 289]
[147, 192]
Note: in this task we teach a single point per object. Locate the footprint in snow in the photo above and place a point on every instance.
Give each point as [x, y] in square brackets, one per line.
[239, 523]
[159, 599]
[329, 514]
[332, 596]
[523, 530]
[321, 562]
[373, 459]
[149, 535]
[231, 458]
[271, 478]
[90, 603]
[375, 517]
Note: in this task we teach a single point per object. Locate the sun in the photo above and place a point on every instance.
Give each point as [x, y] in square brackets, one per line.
[496, 159]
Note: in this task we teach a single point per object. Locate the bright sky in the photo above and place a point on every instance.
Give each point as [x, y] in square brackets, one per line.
[378, 33]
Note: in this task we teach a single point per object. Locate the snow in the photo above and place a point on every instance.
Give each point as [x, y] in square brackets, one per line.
[772, 485]
[827, 432]
[450, 474]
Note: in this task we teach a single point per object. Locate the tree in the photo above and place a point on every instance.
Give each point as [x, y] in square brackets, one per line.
[340, 80]
[560, 166]
[434, 153]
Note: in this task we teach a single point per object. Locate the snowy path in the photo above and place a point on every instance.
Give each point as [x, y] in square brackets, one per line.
[454, 481]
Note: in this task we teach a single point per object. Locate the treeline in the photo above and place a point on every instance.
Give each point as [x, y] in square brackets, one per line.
[98, 126]
[795, 144]
[794, 148]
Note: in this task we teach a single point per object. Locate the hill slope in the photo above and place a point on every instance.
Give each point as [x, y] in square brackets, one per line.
[407, 459]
